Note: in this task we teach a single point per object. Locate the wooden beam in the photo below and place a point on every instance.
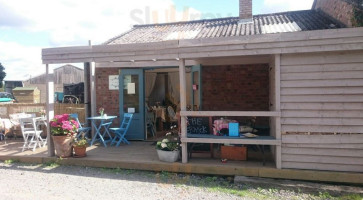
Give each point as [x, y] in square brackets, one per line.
[233, 60]
[280, 37]
[183, 107]
[232, 141]
[87, 92]
[321, 128]
[278, 108]
[93, 91]
[323, 139]
[145, 64]
[50, 107]
[207, 52]
[230, 113]
[302, 42]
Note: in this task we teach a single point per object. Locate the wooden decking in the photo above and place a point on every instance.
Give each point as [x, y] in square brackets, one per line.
[142, 156]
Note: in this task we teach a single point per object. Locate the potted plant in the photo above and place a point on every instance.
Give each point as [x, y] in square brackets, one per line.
[101, 110]
[80, 146]
[168, 149]
[63, 129]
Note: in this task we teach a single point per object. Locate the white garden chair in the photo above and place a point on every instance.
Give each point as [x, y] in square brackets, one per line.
[32, 136]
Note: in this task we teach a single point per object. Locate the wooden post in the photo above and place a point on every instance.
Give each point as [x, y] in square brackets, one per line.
[50, 107]
[86, 91]
[183, 107]
[93, 91]
[278, 108]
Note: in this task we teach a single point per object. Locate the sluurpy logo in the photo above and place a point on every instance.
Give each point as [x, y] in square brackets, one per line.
[147, 15]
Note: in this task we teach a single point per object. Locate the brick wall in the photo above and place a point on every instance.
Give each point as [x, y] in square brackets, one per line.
[236, 88]
[338, 9]
[108, 99]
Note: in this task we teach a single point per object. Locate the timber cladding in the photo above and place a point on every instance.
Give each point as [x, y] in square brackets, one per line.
[342, 152]
[322, 111]
[322, 92]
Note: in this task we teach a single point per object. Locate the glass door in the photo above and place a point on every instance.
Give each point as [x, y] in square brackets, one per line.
[132, 101]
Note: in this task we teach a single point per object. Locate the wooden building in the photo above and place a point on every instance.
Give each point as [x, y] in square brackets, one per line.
[66, 74]
[300, 72]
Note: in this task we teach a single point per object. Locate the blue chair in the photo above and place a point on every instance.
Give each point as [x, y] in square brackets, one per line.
[121, 132]
[81, 129]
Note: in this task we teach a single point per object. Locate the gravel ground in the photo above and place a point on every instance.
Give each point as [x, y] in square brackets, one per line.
[24, 181]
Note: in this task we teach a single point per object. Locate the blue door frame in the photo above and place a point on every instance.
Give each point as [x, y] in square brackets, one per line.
[197, 80]
[131, 87]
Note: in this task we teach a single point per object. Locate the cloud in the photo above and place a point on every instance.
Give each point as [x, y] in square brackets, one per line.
[72, 23]
[273, 6]
[20, 61]
[9, 18]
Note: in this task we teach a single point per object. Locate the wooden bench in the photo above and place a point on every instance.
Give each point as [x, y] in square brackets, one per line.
[214, 139]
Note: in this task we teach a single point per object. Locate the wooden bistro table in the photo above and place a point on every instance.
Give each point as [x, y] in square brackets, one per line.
[101, 123]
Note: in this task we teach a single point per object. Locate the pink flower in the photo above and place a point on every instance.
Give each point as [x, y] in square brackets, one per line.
[75, 123]
[63, 125]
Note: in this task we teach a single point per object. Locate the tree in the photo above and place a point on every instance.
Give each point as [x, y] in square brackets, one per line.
[2, 74]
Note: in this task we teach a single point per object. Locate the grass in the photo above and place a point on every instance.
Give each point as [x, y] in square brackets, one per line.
[53, 164]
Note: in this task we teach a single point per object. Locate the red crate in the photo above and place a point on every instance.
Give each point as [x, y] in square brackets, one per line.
[234, 153]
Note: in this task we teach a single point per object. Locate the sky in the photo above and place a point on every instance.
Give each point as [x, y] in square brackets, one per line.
[28, 26]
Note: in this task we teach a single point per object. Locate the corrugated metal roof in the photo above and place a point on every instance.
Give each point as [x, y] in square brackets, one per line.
[294, 21]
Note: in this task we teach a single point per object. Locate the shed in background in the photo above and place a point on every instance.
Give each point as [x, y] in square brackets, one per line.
[27, 94]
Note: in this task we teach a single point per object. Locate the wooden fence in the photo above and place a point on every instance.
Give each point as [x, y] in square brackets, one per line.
[59, 108]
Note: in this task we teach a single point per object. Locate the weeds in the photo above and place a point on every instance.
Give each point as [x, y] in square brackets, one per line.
[11, 161]
[53, 163]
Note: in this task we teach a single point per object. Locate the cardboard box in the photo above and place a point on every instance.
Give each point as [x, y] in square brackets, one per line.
[234, 153]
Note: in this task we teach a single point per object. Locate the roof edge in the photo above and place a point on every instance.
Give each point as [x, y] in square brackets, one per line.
[214, 19]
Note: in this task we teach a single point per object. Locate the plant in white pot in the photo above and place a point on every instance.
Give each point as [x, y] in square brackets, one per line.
[168, 148]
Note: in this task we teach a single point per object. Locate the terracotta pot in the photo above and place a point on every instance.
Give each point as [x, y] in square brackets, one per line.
[63, 146]
[79, 151]
[168, 156]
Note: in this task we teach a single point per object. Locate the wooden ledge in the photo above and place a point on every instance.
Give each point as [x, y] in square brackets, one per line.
[202, 138]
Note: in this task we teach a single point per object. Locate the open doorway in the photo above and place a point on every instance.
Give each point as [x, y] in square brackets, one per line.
[162, 101]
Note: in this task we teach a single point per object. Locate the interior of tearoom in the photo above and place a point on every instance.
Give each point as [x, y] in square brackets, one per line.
[236, 89]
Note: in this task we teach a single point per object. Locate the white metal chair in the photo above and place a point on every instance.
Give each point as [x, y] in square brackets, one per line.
[32, 136]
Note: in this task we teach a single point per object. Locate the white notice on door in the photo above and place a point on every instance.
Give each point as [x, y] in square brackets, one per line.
[130, 88]
[131, 110]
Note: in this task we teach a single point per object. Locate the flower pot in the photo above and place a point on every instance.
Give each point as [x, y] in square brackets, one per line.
[63, 146]
[79, 151]
[168, 156]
